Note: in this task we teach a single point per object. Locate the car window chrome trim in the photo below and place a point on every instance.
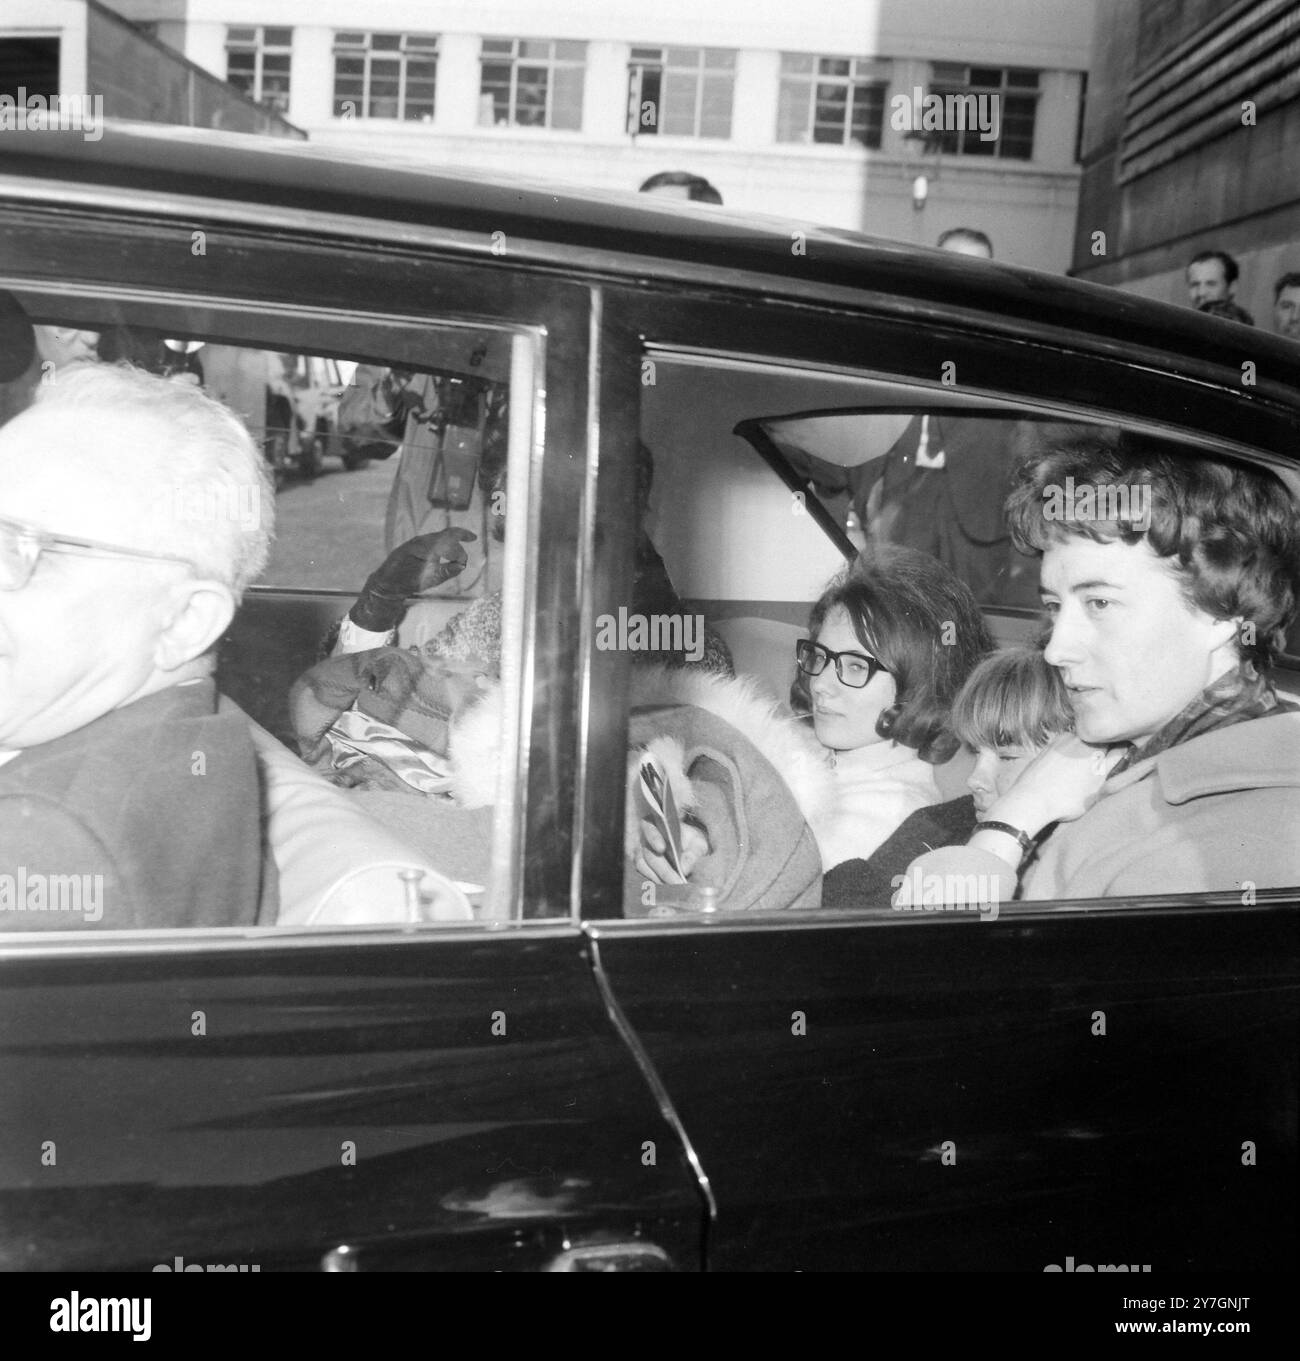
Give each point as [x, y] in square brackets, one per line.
[603, 264]
[525, 443]
[586, 622]
[213, 940]
[972, 396]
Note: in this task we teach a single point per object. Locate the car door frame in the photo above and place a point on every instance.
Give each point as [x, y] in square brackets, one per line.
[673, 977]
[499, 1201]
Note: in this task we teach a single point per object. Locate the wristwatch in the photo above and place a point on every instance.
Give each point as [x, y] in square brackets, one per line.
[1025, 840]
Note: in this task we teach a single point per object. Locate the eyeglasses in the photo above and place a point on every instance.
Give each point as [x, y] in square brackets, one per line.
[855, 669]
[21, 547]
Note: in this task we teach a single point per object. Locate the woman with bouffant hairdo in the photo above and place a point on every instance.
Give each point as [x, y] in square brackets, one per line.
[891, 641]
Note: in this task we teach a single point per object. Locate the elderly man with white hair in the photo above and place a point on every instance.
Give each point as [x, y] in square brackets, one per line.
[133, 513]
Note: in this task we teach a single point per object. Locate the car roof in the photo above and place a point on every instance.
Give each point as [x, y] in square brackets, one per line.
[134, 166]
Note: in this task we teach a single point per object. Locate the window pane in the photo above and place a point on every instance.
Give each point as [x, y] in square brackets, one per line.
[715, 118]
[499, 47]
[986, 75]
[241, 35]
[385, 42]
[792, 112]
[349, 40]
[494, 107]
[1024, 79]
[794, 63]
[531, 47]
[684, 56]
[277, 37]
[570, 51]
[650, 114]
[530, 96]
[720, 58]
[677, 118]
[833, 66]
[566, 98]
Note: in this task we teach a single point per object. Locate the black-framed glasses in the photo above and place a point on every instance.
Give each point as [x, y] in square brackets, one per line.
[21, 547]
[854, 669]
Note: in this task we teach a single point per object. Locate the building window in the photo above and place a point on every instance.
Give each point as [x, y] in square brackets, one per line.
[531, 83]
[681, 91]
[833, 100]
[385, 75]
[257, 62]
[1017, 93]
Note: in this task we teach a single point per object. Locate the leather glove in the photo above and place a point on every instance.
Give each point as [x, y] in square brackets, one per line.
[416, 566]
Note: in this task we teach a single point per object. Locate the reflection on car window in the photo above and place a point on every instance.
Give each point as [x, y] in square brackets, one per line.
[373, 646]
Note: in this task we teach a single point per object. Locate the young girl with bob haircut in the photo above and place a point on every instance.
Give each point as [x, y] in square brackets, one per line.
[1010, 707]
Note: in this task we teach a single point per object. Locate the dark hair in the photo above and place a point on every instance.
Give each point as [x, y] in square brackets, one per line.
[1291, 280]
[923, 624]
[1012, 698]
[1231, 529]
[1228, 310]
[697, 187]
[1230, 270]
[976, 238]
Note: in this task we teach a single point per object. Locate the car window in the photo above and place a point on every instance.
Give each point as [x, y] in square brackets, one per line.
[766, 479]
[374, 435]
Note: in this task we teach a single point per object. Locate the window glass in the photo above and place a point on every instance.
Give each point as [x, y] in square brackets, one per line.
[391, 85]
[374, 436]
[844, 105]
[759, 482]
[681, 91]
[541, 84]
[258, 63]
[979, 86]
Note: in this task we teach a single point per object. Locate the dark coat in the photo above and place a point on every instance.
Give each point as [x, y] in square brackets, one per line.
[161, 798]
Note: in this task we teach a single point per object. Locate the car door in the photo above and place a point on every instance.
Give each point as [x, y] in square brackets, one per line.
[432, 1095]
[884, 1090]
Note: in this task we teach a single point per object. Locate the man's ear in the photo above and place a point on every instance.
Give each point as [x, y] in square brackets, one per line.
[200, 612]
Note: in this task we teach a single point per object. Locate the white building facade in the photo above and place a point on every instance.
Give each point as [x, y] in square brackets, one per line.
[784, 107]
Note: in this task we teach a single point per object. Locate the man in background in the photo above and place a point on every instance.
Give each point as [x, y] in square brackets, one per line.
[966, 241]
[1286, 306]
[1212, 279]
[681, 184]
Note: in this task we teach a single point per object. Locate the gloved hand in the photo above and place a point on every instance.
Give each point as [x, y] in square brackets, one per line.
[418, 565]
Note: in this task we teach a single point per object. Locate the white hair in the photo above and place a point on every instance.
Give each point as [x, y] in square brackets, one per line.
[204, 481]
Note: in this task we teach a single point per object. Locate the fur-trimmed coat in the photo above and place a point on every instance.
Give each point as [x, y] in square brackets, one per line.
[758, 781]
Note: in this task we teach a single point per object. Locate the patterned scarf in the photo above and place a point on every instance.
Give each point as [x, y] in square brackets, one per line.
[1236, 697]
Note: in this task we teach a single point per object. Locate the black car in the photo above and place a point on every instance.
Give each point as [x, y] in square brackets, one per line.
[550, 1077]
